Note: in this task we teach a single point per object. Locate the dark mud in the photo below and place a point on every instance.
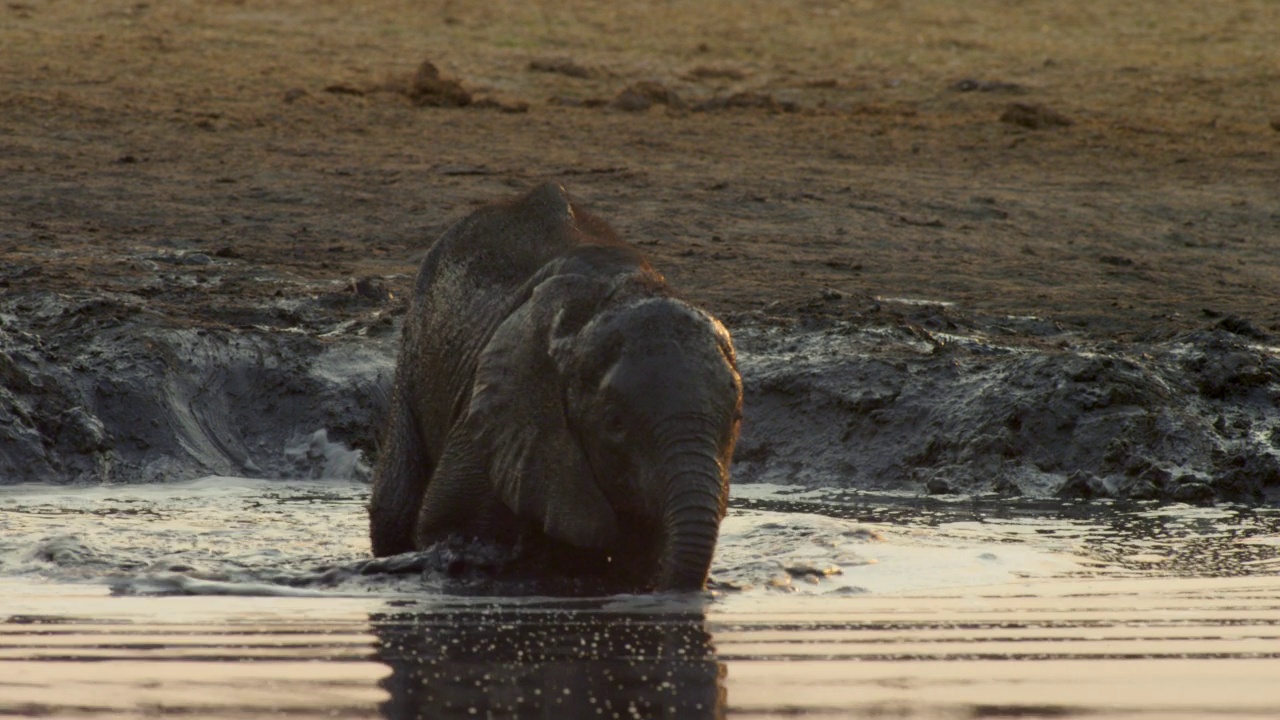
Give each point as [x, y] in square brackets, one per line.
[900, 394]
[106, 389]
[919, 396]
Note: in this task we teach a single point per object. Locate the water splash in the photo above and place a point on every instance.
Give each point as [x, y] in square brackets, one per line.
[223, 535]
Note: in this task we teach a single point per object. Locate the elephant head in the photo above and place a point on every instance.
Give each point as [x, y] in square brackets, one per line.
[609, 410]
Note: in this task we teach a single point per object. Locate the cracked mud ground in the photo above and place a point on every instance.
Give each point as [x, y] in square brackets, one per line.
[1029, 249]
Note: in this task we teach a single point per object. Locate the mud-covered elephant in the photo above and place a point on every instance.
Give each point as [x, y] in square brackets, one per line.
[552, 395]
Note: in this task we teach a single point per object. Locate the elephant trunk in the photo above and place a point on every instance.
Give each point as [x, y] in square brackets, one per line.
[693, 507]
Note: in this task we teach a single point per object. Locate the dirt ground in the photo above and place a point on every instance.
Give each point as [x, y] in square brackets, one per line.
[1108, 167]
[253, 128]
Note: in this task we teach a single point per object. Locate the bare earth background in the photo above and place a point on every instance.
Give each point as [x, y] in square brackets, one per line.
[220, 169]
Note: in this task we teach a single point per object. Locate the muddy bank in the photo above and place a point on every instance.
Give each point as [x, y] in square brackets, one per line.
[892, 394]
[203, 250]
[917, 396]
[106, 389]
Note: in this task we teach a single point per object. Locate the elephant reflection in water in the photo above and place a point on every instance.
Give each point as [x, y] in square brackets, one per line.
[548, 663]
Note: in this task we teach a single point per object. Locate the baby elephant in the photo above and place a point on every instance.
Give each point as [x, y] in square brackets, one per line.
[551, 395]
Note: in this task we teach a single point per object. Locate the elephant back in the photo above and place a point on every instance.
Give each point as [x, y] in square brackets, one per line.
[501, 245]
[475, 276]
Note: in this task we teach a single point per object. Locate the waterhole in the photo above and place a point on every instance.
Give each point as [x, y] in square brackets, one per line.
[228, 597]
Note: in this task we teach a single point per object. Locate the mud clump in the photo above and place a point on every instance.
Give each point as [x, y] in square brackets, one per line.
[562, 66]
[641, 96]
[371, 288]
[490, 103]
[333, 89]
[1034, 117]
[707, 72]
[937, 486]
[1240, 326]
[746, 101]
[1081, 485]
[591, 102]
[986, 86]
[426, 88]
[1225, 368]
[429, 89]
[1249, 478]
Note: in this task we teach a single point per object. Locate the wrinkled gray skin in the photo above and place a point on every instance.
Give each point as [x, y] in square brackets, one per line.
[551, 394]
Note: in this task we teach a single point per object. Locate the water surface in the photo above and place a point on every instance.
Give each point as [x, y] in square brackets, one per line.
[235, 598]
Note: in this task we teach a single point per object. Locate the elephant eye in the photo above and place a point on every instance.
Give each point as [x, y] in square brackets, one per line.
[615, 425]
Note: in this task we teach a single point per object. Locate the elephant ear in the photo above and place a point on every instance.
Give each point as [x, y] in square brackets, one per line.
[517, 409]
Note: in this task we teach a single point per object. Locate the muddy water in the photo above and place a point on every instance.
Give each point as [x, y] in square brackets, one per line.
[240, 598]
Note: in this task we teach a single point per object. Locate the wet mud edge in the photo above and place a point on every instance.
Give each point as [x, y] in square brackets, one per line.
[899, 395]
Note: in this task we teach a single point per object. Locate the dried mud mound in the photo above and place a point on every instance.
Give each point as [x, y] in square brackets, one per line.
[913, 398]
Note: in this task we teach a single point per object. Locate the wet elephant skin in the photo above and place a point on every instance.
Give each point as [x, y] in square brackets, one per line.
[551, 394]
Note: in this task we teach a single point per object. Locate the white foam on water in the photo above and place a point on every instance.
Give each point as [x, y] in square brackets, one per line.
[218, 527]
